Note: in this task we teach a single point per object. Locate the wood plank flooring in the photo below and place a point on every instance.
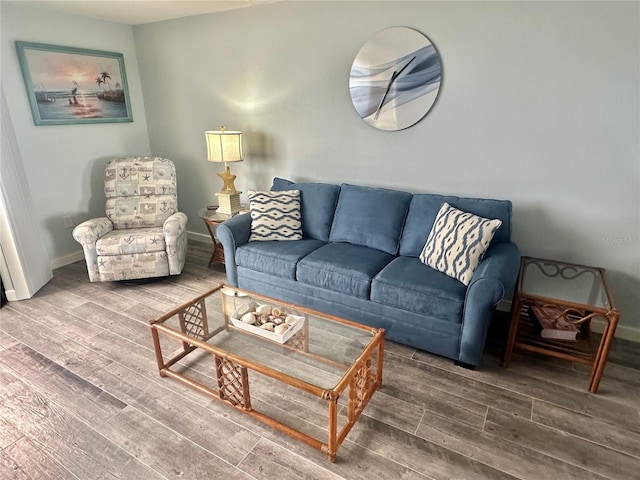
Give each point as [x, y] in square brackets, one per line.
[80, 398]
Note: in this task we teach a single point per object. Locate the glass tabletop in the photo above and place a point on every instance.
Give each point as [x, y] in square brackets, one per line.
[212, 215]
[315, 349]
[576, 284]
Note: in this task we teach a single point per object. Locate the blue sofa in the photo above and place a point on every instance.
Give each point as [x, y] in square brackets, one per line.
[358, 259]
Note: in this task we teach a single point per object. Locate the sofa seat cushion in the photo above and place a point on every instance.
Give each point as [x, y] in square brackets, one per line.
[131, 240]
[275, 257]
[372, 217]
[343, 267]
[409, 284]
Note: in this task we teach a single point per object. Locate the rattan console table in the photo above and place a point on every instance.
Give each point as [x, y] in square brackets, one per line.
[579, 294]
[326, 357]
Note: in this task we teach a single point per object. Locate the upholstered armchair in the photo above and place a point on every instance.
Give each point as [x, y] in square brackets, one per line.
[143, 235]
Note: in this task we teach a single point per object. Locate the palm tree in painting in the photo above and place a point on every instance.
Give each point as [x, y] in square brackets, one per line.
[105, 78]
[112, 95]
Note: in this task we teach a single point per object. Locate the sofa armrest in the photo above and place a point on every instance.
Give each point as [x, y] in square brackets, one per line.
[175, 237]
[87, 234]
[494, 278]
[501, 264]
[233, 233]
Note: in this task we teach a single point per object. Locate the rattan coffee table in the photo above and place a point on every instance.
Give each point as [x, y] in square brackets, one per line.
[216, 351]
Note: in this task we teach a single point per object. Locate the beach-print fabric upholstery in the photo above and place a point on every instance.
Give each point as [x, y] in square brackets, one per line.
[143, 235]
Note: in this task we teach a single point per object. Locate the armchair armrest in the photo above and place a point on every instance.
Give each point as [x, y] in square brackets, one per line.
[494, 278]
[87, 234]
[175, 237]
[175, 225]
[233, 233]
[90, 231]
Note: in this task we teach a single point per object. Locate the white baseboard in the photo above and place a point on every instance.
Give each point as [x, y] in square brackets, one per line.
[622, 331]
[199, 237]
[67, 259]
[12, 296]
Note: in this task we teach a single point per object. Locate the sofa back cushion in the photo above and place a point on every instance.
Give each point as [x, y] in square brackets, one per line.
[424, 209]
[372, 217]
[317, 206]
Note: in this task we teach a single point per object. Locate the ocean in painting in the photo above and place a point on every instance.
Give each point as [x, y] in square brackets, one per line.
[85, 104]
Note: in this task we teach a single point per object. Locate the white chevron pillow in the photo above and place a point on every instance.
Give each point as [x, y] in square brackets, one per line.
[275, 215]
[457, 242]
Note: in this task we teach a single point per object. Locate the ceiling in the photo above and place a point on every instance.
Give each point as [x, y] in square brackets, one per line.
[135, 12]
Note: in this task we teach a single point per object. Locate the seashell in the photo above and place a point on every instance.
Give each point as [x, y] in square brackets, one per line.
[252, 306]
[268, 326]
[264, 319]
[263, 310]
[278, 320]
[280, 329]
[242, 309]
[249, 318]
[290, 319]
[276, 312]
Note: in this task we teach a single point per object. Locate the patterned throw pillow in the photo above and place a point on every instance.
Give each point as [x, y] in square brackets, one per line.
[457, 242]
[275, 215]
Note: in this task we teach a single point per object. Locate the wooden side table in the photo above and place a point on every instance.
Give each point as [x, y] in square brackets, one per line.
[212, 219]
[579, 292]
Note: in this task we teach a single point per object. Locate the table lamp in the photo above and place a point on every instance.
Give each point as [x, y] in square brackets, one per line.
[225, 146]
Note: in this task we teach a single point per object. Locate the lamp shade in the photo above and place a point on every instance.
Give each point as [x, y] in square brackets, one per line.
[224, 146]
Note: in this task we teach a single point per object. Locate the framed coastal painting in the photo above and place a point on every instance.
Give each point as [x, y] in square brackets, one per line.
[67, 85]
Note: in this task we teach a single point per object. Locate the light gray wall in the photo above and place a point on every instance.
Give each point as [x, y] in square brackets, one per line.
[539, 104]
[64, 164]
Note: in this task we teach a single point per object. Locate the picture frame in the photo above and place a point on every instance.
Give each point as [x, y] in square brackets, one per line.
[68, 85]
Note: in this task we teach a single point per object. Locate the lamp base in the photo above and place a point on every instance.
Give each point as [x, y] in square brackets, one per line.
[228, 178]
[228, 203]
